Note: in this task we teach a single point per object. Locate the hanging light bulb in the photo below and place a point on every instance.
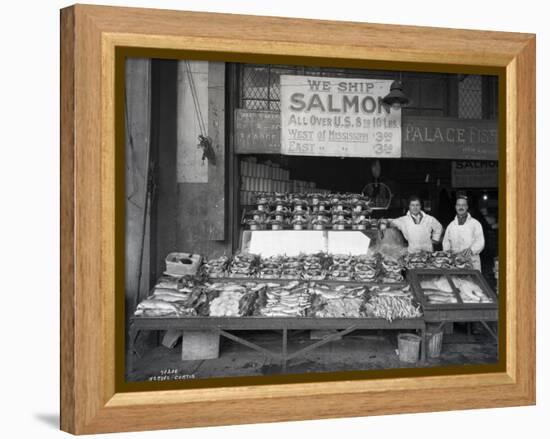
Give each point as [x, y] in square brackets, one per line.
[396, 98]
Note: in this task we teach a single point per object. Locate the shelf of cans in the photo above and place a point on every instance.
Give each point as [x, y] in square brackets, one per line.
[258, 177]
[265, 171]
[309, 211]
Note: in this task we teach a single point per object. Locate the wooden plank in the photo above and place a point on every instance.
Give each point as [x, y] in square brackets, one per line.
[233, 175]
[67, 215]
[201, 197]
[332, 337]
[348, 283]
[461, 315]
[97, 406]
[194, 232]
[84, 389]
[171, 337]
[271, 323]
[216, 130]
[234, 33]
[249, 344]
[138, 158]
[521, 232]
[193, 121]
[164, 146]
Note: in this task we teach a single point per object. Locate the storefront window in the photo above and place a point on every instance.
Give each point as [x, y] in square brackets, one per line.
[469, 97]
[260, 86]
[430, 93]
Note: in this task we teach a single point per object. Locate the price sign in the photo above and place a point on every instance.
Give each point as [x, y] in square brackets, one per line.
[338, 117]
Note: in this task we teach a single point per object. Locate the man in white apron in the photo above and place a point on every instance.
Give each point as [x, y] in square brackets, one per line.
[464, 234]
[419, 229]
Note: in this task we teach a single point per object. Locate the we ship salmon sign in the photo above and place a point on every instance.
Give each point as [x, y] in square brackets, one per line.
[338, 117]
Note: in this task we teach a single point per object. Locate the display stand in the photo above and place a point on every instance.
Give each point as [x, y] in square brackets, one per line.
[222, 325]
[460, 311]
[289, 242]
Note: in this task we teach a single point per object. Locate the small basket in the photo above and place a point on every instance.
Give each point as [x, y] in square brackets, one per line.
[408, 346]
[182, 264]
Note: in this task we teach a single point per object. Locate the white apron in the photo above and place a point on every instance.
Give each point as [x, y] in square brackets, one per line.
[466, 236]
[419, 236]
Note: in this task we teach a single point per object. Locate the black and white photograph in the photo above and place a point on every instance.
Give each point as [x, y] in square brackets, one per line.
[287, 219]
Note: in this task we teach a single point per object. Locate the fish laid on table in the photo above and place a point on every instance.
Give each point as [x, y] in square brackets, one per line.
[391, 307]
[438, 290]
[340, 307]
[390, 290]
[288, 300]
[170, 296]
[226, 304]
[330, 300]
[160, 308]
[469, 291]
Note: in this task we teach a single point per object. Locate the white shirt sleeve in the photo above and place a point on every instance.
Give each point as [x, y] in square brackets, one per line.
[398, 222]
[479, 240]
[437, 229]
[447, 239]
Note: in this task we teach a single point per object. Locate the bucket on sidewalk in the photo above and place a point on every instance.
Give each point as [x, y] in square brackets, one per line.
[435, 342]
[408, 346]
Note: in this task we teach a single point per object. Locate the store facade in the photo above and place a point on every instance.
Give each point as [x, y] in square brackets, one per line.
[296, 130]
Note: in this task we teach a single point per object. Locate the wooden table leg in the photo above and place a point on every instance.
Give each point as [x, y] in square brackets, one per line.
[285, 348]
[490, 330]
[131, 351]
[423, 344]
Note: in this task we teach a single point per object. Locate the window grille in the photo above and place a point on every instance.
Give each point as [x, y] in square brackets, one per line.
[470, 97]
[260, 85]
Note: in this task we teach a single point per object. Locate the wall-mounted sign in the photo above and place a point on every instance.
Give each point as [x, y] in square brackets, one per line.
[257, 132]
[474, 174]
[449, 138]
[339, 117]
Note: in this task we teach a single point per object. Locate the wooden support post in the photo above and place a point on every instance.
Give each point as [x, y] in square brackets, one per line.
[285, 347]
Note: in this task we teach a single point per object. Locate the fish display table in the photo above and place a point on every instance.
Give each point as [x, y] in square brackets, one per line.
[455, 295]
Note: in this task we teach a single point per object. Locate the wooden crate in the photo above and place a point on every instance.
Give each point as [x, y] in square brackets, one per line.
[200, 345]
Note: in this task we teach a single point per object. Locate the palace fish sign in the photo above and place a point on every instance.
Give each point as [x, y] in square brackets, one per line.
[338, 117]
[450, 138]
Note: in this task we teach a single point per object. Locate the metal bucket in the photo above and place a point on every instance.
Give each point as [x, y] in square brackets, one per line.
[408, 346]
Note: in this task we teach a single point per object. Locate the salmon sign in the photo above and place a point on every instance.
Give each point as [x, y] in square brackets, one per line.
[338, 117]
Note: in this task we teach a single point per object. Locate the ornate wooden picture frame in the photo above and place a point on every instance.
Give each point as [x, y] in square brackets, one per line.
[94, 42]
